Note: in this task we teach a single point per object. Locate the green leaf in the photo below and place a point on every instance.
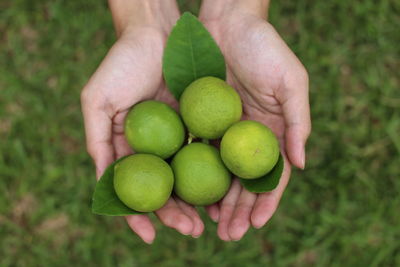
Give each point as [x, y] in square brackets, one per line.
[105, 201]
[266, 183]
[190, 53]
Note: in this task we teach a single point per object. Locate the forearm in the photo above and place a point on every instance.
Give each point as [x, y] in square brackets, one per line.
[214, 9]
[128, 14]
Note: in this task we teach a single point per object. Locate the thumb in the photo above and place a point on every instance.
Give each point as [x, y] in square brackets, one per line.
[98, 129]
[296, 112]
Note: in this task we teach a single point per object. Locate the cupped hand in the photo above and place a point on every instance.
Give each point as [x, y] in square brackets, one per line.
[131, 72]
[273, 86]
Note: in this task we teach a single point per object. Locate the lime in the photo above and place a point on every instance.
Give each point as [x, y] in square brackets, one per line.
[249, 149]
[200, 175]
[143, 182]
[154, 127]
[209, 106]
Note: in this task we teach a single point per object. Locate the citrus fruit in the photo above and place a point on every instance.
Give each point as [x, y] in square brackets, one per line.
[154, 127]
[200, 175]
[209, 106]
[249, 149]
[143, 182]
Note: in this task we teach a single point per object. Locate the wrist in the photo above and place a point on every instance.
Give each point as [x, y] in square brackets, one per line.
[212, 10]
[134, 14]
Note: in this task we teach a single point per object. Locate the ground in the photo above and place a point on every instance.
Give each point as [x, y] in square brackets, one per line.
[341, 211]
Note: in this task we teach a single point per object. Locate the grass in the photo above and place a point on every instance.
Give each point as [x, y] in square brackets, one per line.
[341, 211]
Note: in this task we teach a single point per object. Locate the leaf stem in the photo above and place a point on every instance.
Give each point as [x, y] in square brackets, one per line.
[190, 138]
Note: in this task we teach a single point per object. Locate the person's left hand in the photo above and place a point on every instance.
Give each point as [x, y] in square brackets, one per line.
[273, 86]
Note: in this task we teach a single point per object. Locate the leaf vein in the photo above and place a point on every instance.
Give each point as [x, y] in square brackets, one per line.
[192, 52]
[106, 203]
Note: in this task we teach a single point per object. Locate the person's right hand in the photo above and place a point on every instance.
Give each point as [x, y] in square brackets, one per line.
[131, 72]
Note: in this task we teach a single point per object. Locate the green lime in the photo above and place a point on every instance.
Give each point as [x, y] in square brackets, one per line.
[209, 106]
[143, 182]
[200, 175]
[154, 127]
[249, 149]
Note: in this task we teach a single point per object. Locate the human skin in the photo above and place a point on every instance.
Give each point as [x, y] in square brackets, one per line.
[273, 86]
[131, 72]
[270, 79]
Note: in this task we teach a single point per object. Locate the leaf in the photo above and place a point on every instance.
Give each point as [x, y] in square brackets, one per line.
[190, 53]
[266, 183]
[105, 201]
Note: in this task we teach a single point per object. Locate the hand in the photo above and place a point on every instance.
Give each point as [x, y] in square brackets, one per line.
[273, 86]
[131, 72]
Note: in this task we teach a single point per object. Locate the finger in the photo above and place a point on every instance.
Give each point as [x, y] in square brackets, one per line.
[240, 221]
[121, 146]
[191, 212]
[142, 226]
[227, 207]
[213, 212]
[266, 203]
[172, 216]
[296, 111]
[98, 132]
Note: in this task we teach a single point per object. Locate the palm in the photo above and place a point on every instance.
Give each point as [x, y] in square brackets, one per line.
[130, 73]
[256, 65]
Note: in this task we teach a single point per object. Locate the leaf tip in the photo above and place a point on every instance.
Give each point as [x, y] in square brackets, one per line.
[188, 14]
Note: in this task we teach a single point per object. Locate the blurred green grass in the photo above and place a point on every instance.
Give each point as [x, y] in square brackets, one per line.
[343, 210]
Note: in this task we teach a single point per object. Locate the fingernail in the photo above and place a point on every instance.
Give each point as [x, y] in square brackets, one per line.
[183, 232]
[235, 239]
[215, 219]
[149, 242]
[98, 173]
[237, 232]
[257, 226]
[183, 229]
[303, 159]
